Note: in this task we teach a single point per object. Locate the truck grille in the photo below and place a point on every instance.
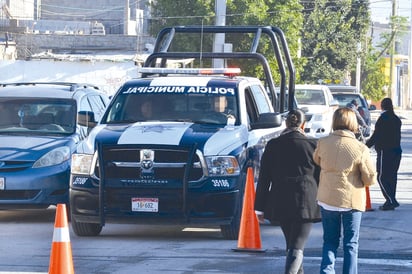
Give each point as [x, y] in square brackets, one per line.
[123, 165]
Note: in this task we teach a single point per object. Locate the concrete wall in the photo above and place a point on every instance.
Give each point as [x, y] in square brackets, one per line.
[29, 44]
[109, 76]
[112, 13]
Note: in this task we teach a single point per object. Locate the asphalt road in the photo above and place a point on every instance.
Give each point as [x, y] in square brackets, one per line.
[385, 241]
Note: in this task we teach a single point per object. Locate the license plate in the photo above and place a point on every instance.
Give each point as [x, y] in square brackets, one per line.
[145, 204]
[2, 183]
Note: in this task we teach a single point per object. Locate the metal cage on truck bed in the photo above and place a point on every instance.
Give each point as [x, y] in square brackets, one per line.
[162, 51]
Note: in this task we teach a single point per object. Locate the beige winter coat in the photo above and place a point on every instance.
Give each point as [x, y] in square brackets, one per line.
[346, 168]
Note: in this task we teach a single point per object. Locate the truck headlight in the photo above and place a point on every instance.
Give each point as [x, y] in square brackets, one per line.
[54, 157]
[222, 166]
[83, 164]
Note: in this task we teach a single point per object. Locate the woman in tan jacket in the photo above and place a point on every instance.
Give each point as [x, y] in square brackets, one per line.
[346, 168]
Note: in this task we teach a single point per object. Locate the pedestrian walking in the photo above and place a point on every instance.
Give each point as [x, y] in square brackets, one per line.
[387, 142]
[354, 106]
[346, 168]
[287, 188]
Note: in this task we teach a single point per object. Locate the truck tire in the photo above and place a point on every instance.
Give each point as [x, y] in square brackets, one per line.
[231, 231]
[85, 229]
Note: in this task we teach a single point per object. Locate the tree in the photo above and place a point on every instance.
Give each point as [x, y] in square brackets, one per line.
[331, 36]
[399, 27]
[373, 78]
[284, 14]
[287, 15]
[189, 12]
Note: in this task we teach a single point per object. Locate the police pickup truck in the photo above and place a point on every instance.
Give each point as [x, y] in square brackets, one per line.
[173, 147]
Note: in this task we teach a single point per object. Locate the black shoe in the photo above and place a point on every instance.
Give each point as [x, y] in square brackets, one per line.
[387, 207]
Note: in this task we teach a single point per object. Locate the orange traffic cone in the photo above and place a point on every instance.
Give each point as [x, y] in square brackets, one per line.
[249, 233]
[61, 260]
[368, 200]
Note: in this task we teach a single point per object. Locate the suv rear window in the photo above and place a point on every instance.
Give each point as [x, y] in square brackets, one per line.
[345, 99]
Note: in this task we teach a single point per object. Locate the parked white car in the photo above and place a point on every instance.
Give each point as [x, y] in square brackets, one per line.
[318, 104]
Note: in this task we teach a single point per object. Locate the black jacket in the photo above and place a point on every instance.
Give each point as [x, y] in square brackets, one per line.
[288, 179]
[387, 133]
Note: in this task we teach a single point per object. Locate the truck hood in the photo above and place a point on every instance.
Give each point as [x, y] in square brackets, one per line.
[210, 139]
[28, 148]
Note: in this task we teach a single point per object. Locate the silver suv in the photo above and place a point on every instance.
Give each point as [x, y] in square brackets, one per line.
[345, 98]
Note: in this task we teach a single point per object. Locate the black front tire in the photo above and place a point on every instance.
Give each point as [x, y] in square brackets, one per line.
[231, 231]
[85, 229]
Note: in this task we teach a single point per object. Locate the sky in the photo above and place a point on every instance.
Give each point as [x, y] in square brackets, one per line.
[381, 10]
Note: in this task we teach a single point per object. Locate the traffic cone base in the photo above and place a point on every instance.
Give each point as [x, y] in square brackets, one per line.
[61, 259]
[249, 232]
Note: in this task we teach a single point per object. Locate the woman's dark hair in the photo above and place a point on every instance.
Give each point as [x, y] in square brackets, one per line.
[295, 118]
[386, 104]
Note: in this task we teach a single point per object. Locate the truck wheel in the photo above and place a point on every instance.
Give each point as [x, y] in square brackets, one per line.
[85, 229]
[231, 231]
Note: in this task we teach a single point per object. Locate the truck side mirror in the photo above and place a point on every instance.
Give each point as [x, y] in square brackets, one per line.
[86, 119]
[267, 120]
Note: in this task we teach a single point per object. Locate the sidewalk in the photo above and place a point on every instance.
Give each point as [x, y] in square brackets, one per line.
[390, 231]
[385, 244]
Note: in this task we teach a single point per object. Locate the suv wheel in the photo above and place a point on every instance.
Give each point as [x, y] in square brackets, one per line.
[85, 229]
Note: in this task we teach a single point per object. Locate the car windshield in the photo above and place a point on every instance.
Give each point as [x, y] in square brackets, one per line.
[310, 97]
[37, 116]
[186, 107]
[345, 99]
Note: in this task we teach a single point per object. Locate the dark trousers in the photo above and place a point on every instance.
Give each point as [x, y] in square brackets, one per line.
[296, 233]
[387, 165]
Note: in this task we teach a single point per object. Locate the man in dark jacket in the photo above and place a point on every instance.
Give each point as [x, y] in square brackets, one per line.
[287, 187]
[387, 141]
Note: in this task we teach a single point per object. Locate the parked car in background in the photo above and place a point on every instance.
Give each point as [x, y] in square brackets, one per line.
[38, 134]
[318, 104]
[345, 98]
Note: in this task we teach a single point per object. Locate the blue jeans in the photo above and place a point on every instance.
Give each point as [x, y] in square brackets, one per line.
[332, 222]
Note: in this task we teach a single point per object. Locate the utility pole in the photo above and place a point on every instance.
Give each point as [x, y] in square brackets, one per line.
[220, 11]
[358, 66]
[391, 85]
[126, 18]
[409, 97]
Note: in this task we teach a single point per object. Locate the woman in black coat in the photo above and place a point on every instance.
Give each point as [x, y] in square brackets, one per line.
[287, 187]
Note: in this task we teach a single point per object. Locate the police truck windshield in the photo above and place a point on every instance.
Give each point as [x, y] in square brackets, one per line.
[192, 104]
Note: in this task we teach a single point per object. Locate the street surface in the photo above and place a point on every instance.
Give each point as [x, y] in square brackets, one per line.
[385, 241]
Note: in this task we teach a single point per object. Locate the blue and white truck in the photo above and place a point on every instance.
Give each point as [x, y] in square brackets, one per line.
[175, 144]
